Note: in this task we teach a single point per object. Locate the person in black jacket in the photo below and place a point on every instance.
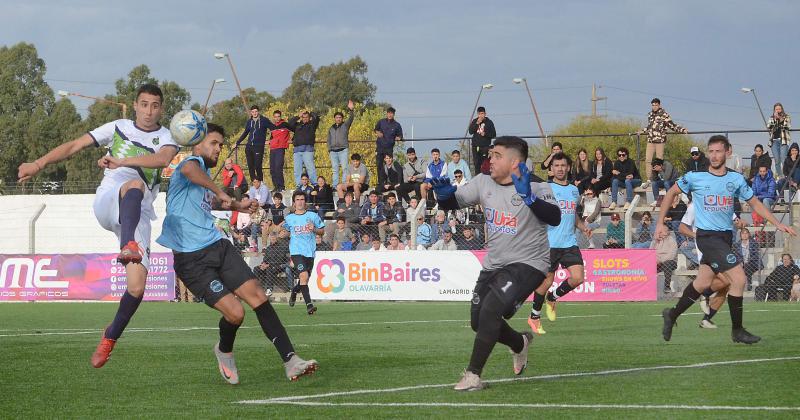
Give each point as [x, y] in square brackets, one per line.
[256, 132]
[390, 178]
[779, 282]
[698, 162]
[601, 172]
[554, 149]
[305, 129]
[322, 197]
[760, 158]
[624, 173]
[483, 131]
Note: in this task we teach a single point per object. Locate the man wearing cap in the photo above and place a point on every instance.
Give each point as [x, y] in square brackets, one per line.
[615, 233]
[387, 131]
[658, 122]
[698, 162]
[413, 175]
[663, 176]
[482, 130]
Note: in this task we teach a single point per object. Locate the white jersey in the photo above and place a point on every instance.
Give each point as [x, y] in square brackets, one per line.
[124, 139]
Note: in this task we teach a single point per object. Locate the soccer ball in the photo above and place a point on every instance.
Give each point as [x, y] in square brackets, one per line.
[188, 127]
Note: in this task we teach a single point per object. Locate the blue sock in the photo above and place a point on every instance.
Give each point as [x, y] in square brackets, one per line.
[127, 307]
[130, 211]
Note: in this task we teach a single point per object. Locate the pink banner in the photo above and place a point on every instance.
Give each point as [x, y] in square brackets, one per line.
[79, 277]
[614, 275]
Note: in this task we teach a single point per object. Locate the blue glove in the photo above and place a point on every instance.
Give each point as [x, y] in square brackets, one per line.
[522, 183]
[443, 188]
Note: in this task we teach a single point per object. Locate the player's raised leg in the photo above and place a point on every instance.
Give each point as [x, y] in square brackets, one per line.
[535, 318]
[575, 279]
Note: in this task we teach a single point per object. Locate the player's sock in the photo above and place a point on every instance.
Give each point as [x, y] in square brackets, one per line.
[127, 307]
[560, 291]
[711, 313]
[708, 292]
[511, 337]
[273, 328]
[489, 327]
[690, 295]
[735, 305]
[306, 294]
[227, 333]
[130, 211]
[538, 301]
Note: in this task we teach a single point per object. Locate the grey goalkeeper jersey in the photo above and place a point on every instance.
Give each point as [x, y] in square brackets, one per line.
[514, 233]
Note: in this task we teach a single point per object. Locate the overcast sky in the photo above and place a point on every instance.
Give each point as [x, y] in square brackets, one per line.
[429, 58]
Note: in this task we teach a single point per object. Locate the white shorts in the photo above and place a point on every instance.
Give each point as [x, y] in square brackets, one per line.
[106, 210]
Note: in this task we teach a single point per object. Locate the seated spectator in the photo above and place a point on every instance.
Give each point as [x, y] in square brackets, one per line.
[377, 245]
[666, 262]
[748, 253]
[625, 173]
[355, 178]
[415, 209]
[757, 160]
[372, 213]
[615, 233]
[233, 180]
[322, 197]
[393, 213]
[276, 215]
[764, 187]
[778, 284]
[343, 237]
[446, 243]
[645, 233]
[305, 187]
[697, 162]
[321, 244]
[664, 176]
[365, 243]
[436, 168]
[390, 178]
[458, 178]
[441, 225]
[458, 164]
[469, 241]
[791, 173]
[413, 175]
[260, 192]
[601, 172]
[674, 216]
[581, 172]
[349, 210]
[423, 239]
[395, 244]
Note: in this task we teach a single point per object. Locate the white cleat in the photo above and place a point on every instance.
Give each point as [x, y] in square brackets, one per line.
[469, 382]
[706, 323]
[704, 305]
[521, 358]
[297, 367]
[227, 366]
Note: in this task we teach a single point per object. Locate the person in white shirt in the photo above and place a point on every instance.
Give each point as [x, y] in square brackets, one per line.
[259, 192]
[458, 178]
[458, 164]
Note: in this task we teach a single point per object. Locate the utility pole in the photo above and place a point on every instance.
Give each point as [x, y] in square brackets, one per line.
[595, 98]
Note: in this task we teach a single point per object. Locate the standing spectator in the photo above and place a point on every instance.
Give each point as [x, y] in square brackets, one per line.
[482, 130]
[305, 187]
[615, 233]
[698, 162]
[305, 135]
[764, 187]
[664, 176]
[757, 160]
[349, 210]
[423, 240]
[372, 214]
[591, 211]
[658, 122]
[458, 164]
[393, 212]
[343, 237]
[601, 172]
[645, 232]
[322, 197]
[255, 129]
[278, 143]
[339, 142]
[415, 211]
[487, 164]
[355, 178]
[414, 174]
[470, 241]
[391, 177]
[437, 168]
[778, 126]
[748, 251]
[791, 172]
[446, 243]
[395, 244]
[555, 148]
[581, 172]
[625, 173]
[458, 178]
[260, 192]
[387, 131]
[666, 251]
[233, 179]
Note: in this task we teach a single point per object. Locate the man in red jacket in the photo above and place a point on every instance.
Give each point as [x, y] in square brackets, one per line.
[233, 179]
[278, 143]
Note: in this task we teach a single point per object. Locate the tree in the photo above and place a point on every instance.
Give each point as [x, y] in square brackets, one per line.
[176, 98]
[330, 86]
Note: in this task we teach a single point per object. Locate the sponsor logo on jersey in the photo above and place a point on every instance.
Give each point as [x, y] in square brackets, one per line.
[717, 203]
[500, 221]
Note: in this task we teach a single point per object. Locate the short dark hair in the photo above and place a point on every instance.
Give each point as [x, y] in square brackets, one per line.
[338, 114]
[561, 156]
[340, 218]
[298, 194]
[394, 236]
[277, 111]
[435, 150]
[373, 192]
[623, 149]
[151, 89]
[458, 172]
[655, 101]
[389, 155]
[513, 142]
[456, 152]
[719, 138]
[304, 113]
[391, 195]
[216, 128]
[558, 143]
[391, 109]
[759, 146]
[304, 176]
[252, 107]
[481, 109]
[355, 156]
[278, 195]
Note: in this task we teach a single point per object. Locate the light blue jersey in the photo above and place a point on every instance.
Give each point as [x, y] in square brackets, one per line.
[302, 240]
[713, 197]
[189, 225]
[563, 235]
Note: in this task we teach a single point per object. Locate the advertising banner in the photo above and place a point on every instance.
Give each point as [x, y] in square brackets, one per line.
[79, 277]
[614, 275]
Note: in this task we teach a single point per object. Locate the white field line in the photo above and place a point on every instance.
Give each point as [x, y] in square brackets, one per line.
[556, 406]
[295, 398]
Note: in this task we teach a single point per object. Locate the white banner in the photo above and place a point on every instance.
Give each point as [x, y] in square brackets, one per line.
[395, 275]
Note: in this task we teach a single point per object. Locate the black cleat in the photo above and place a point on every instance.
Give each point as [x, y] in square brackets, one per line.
[742, 336]
[292, 298]
[310, 308]
[666, 332]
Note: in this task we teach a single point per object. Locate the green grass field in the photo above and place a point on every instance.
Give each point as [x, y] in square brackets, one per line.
[164, 366]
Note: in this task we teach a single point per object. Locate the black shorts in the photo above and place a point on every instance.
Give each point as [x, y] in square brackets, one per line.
[302, 263]
[512, 284]
[212, 272]
[716, 247]
[567, 257]
[364, 188]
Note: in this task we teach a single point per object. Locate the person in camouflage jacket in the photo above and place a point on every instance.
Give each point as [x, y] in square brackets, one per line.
[658, 122]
